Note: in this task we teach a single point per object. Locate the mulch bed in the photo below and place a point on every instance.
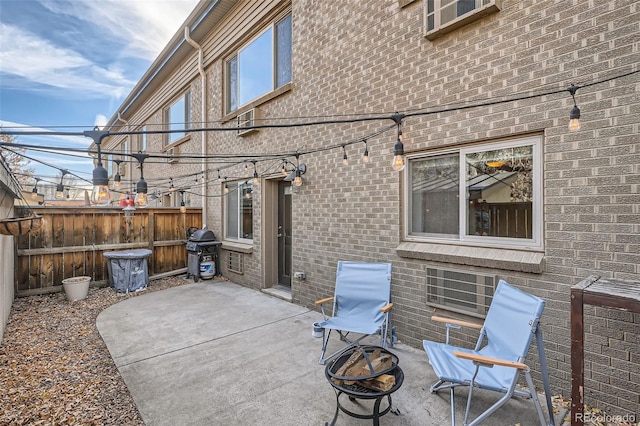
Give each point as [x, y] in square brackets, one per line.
[55, 368]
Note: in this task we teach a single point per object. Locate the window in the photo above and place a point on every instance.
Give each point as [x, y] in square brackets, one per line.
[177, 117]
[259, 67]
[442, 16]
[142, 139]
[487, 195]
[239, 212]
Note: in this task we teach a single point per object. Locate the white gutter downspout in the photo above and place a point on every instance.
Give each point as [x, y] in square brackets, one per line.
[127, 164]
[203, 96]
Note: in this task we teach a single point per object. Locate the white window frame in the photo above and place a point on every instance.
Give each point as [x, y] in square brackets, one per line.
[229, 108]
[183, 121]
[534, 243]
[481, 9]
[237, 187]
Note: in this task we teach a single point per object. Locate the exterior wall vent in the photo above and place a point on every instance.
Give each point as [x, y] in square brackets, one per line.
[236, 262]
[460, 291]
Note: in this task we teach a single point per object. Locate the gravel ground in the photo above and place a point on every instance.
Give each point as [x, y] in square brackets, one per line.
[54, 367]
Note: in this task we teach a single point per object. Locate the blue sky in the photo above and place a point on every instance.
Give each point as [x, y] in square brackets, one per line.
[67, 65]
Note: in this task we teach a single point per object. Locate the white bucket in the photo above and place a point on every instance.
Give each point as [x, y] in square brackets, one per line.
[316, 330]
[76, 288]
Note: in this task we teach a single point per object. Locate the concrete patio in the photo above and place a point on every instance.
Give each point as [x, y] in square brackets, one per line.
[216, 353]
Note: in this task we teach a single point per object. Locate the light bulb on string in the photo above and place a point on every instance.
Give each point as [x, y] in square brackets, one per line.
[60, 186]
[365, 156]
[100, 195]
[574, 115]
[256, 178]
[345, 159]
[183, 207]
[142, 198]
[34, 191]
[398, 149]
[117, 179]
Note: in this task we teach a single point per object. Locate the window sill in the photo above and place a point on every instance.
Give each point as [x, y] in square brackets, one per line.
[497, 258]
[259, 101]
[237, 247]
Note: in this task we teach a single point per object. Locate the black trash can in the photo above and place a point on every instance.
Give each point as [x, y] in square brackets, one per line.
[128, 270]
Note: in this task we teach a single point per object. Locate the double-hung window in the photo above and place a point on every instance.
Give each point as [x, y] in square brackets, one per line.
[177, 118]
[239, 212]
[485, 195]
[259, 67]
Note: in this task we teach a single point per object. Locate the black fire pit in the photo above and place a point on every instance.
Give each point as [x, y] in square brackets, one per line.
[356, 391]
[201, 243]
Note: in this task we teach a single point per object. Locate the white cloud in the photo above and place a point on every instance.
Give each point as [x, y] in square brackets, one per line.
[145, 26]
[44, 139]
[38, 61]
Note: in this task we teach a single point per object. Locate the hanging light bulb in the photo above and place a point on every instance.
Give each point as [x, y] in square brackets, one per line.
[59, 191]
[219, 177]
[297, 181]
[284, 168]
[117, 179]
[226, 188]
[171, 187]
[398, 154]
[365, 156]
[256, 178]
[183, 207]
[142, 199]
[574, 115]
[34, 191]
[345, 159]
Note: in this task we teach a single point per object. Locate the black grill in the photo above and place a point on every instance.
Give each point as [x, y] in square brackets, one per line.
[201, 243]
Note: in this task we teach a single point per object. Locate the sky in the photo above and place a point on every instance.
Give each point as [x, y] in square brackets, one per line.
[67, 65]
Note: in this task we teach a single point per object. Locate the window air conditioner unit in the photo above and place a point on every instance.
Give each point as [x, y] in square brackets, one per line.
[247, 119]
[171, 155]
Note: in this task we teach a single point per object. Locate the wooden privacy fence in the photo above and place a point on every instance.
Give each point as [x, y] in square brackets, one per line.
[72, 242]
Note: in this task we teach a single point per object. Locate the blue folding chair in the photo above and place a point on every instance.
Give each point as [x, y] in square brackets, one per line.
[512, 321]
[361, 305]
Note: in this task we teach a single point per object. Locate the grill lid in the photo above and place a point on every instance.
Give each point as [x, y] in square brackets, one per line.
[202, 235]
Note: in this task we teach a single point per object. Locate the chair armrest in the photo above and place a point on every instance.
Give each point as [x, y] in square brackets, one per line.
[456, 322]
[386, 308]
[490, 361]
[323, 301]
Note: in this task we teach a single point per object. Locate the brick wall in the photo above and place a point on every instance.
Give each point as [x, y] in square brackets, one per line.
[369, 57]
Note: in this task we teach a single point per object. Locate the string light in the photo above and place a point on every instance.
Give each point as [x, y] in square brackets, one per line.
[117, 179]
[345, 159]
[256, 178]
[574, 116]
[365, 156]
[398, 149]
[183, 207]
[60, 186]
[34, 191]
[100, 194]
[142, 198]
